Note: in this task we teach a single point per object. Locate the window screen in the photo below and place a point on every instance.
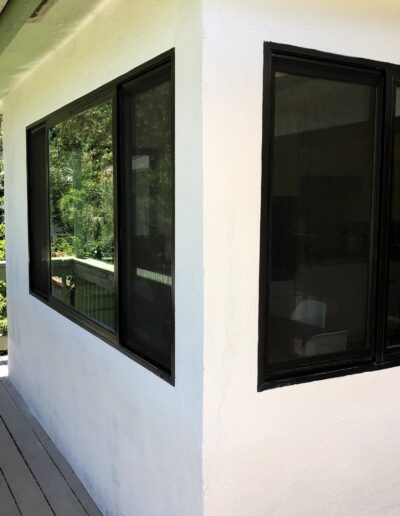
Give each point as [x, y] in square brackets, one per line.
[147, 216]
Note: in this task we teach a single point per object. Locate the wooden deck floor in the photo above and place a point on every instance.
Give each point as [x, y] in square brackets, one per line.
[35, 479]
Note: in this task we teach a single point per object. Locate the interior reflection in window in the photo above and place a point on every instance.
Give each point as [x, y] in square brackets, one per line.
[321, 210]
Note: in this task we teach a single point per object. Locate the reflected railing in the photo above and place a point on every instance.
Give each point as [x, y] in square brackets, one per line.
[87, 285]
[3, 338]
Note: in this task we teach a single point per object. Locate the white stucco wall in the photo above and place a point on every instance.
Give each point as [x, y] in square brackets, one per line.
[322, 448]
[133, 439]
[141, 446]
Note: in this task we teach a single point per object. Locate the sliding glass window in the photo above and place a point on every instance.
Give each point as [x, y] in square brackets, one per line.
[101, 213]
[319, 238]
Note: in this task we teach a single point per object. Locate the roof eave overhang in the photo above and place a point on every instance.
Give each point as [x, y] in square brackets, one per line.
[12, 18]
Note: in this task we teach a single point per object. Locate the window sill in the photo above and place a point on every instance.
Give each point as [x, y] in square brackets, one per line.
[390, 361]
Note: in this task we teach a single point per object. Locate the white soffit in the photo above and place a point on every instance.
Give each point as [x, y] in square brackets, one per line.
[2, 4]
[36, 40]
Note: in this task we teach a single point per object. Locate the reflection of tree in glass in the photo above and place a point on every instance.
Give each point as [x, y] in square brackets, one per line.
[1, 174]
[3, 288]
[81, 179]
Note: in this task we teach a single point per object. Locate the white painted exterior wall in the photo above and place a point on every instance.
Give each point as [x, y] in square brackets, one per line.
[322, 448]
[133, 439]
[212, 445]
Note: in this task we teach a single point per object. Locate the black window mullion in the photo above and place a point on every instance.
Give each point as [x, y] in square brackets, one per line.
[385, 180]
[379, 104]
[391, 343]
[266, 201]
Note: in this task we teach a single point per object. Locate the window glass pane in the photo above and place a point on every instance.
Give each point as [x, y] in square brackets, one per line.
[146, 276]
[82, 207]
[39, 252]
[393, 306]
[320, 233]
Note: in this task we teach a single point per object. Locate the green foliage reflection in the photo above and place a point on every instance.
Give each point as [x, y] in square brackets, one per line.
[81, 179]
[3, 288]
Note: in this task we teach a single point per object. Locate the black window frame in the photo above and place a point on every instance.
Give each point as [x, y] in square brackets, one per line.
[322, 65]
[32, 203]
[107, 92]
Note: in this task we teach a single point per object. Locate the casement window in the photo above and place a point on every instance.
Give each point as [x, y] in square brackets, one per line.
[101, 213]
[330, 217]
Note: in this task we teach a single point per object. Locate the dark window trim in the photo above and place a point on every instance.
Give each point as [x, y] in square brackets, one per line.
[363, 70]
[109, 91]
[152, 72]
[41, 295]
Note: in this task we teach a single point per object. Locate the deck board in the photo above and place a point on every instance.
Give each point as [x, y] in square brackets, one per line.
[22, 484]
[7, 502]
[34, 467]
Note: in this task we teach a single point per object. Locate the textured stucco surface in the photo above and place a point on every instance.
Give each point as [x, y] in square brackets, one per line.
[323, 448]
[133, 439]
[35, 41]
[212, 445]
